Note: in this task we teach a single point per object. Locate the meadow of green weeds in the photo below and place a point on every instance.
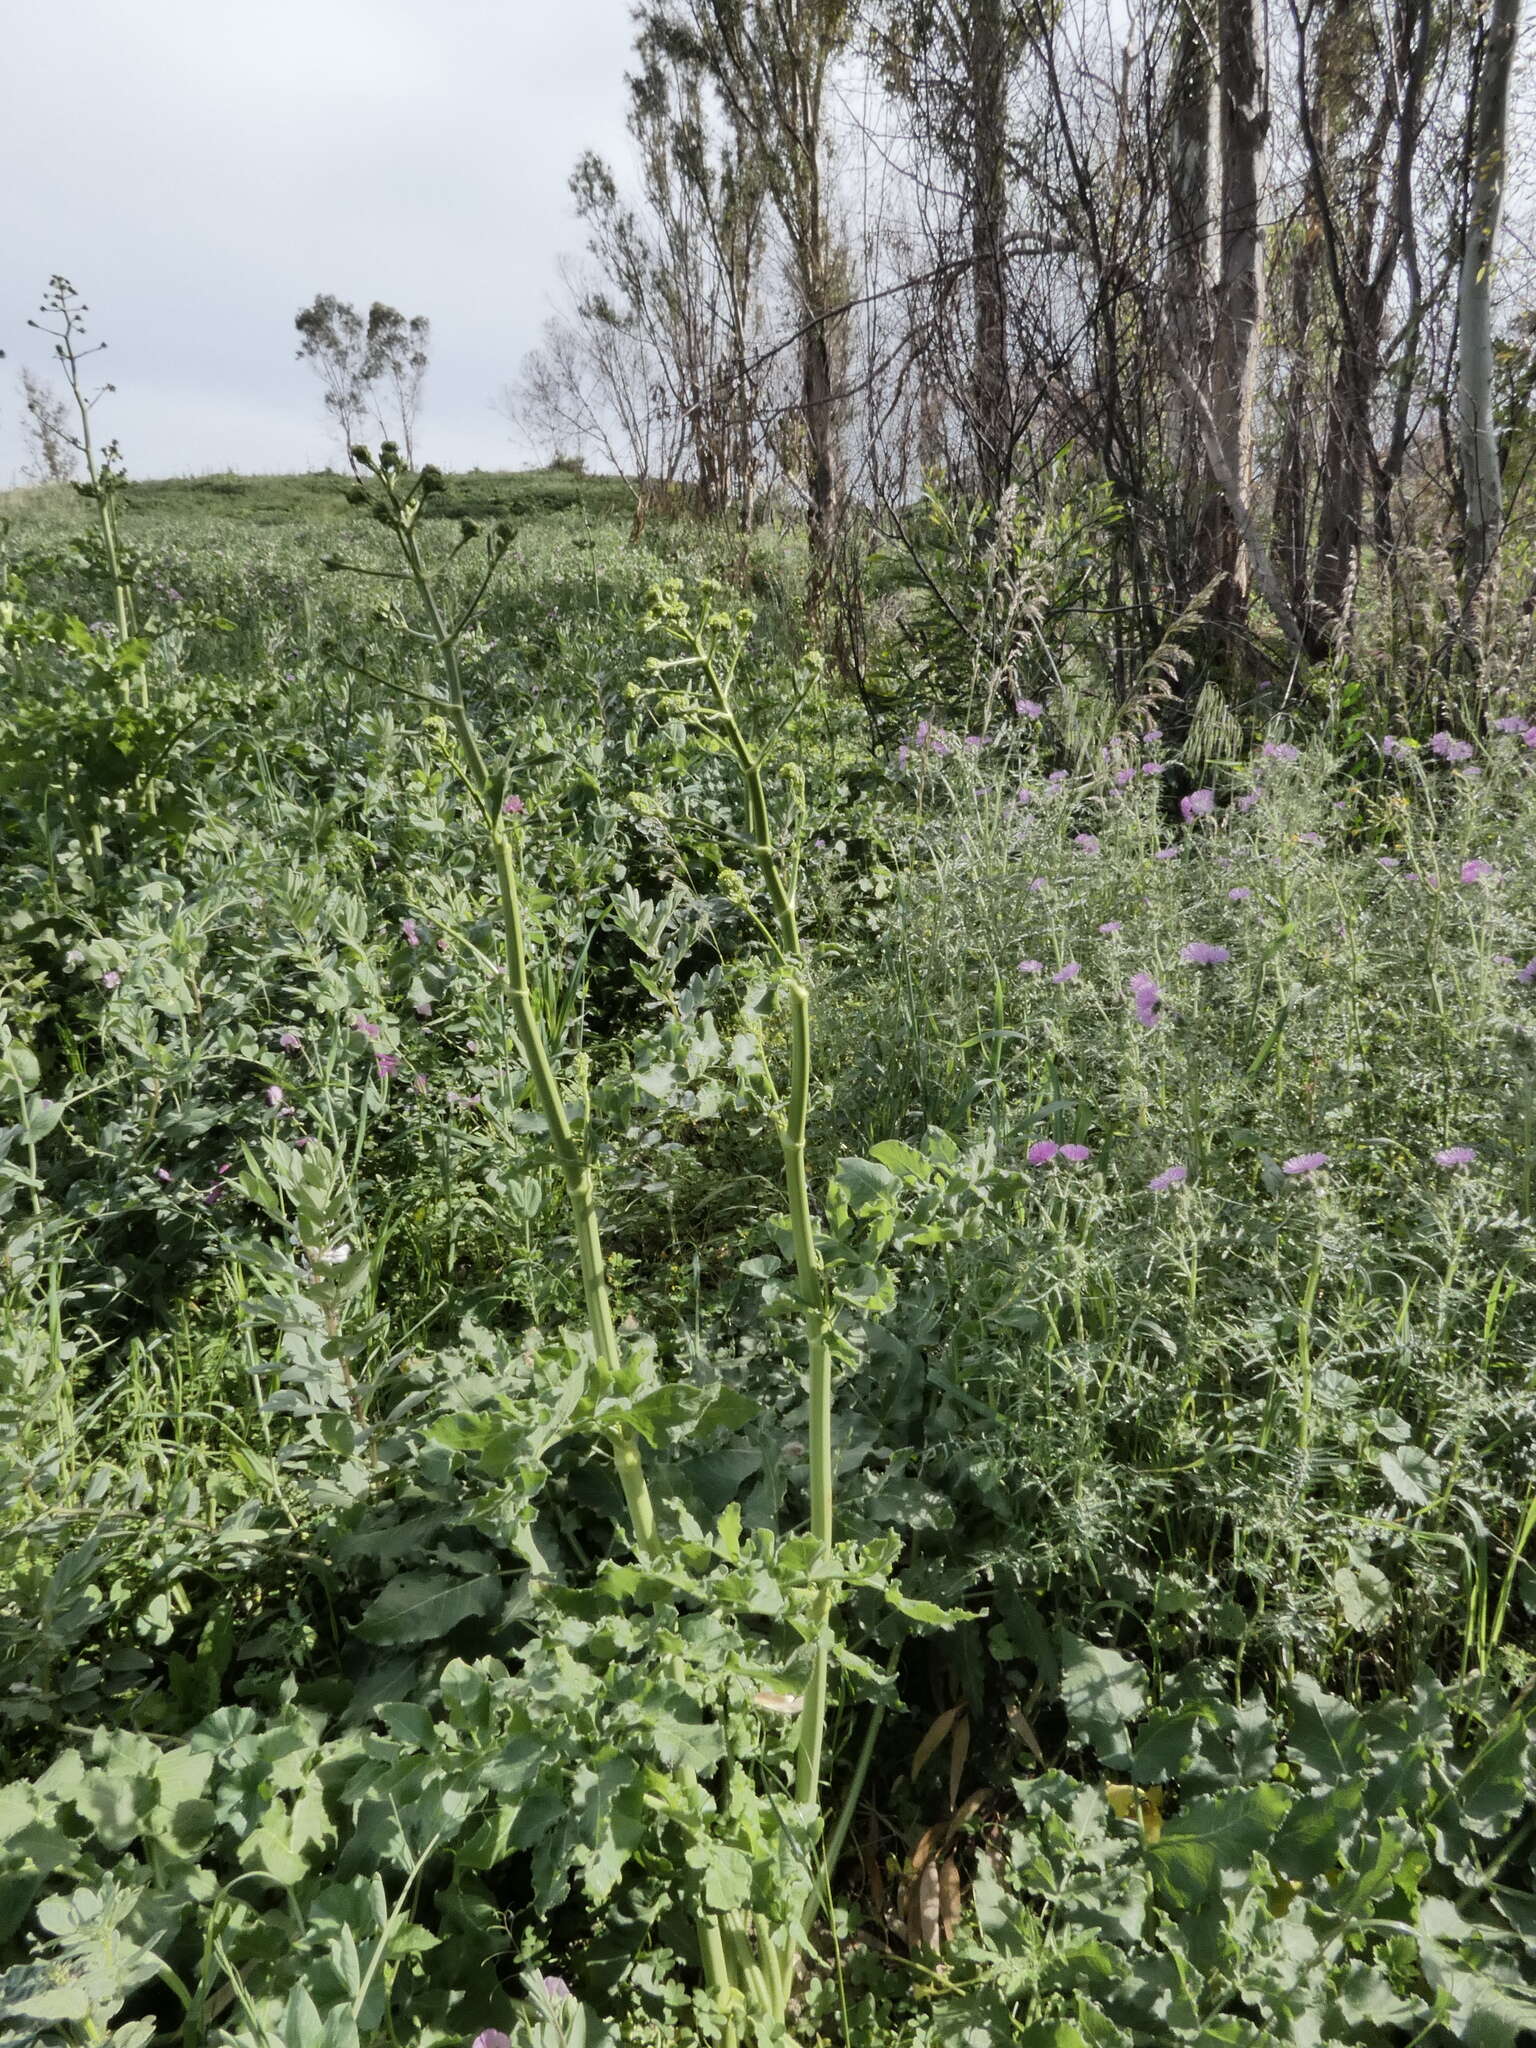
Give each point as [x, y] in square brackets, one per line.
[1172, 1134]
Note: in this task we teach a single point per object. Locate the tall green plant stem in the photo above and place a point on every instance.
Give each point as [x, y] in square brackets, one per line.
[570, 1156]
[808, 1267]
[102, 481]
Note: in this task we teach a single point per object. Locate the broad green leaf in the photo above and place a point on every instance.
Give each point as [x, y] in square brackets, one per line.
[1365, 1595]
[1413, 1475]
[1103, 1693]
[1209, 1845]
[1316, 1831]
[903, 1160]
[420, 1607]
[926, 1612]
[1326, 1740]
[1498, 1782]
[865, 1183]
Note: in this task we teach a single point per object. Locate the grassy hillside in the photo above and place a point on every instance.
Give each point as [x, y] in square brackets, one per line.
[160, 506]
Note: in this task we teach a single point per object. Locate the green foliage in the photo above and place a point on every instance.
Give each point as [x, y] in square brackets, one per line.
[336, 1707]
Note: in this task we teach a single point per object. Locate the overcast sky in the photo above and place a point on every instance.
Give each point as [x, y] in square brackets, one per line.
[201, 168]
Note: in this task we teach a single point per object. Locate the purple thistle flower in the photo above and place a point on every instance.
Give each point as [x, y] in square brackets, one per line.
[361, 1024]
[1077, 1155]
[1170, 1177]
[1166, 853]
[975, 739]
[1201, 953]
[1031, 967]
[1110, 928]
[1239, 895]
[408, 931]
[1198, 804]
[1510, 724]
[513, 807]
[1152, 735]
[1309, 838]
[387, 1063]
[1086, 843]
[492, 2037]
[1457, 1155]
[1147, 995]
[1154, 767]
[1026, 707]
[1449, 748]
[1042, 1152]
[1304, 1162]
[1037, 882]
[1476, 871]
[1385, 860]
[1248, 799]
[1068, 973]
[1124, 777]
[1281, 750]
[1527, 972]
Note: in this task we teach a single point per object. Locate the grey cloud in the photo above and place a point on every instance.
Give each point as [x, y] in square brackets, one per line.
[201, 168]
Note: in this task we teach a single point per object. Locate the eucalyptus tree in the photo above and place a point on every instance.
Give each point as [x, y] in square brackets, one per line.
[367, 368]
[1494, 43]
[770, 62]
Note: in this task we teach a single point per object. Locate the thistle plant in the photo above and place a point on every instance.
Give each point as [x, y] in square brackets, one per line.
[749, 1957]
[105, 474]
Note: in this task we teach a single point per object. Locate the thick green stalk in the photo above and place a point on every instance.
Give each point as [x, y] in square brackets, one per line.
[813, 1293]
[569, 1155]
[808, 1266]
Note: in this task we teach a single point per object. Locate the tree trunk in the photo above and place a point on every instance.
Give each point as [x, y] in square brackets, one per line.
[1243, 80]
[1192, 249]
[992, 424]
[823, 468]
[1291, 478]
[1482, 482]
